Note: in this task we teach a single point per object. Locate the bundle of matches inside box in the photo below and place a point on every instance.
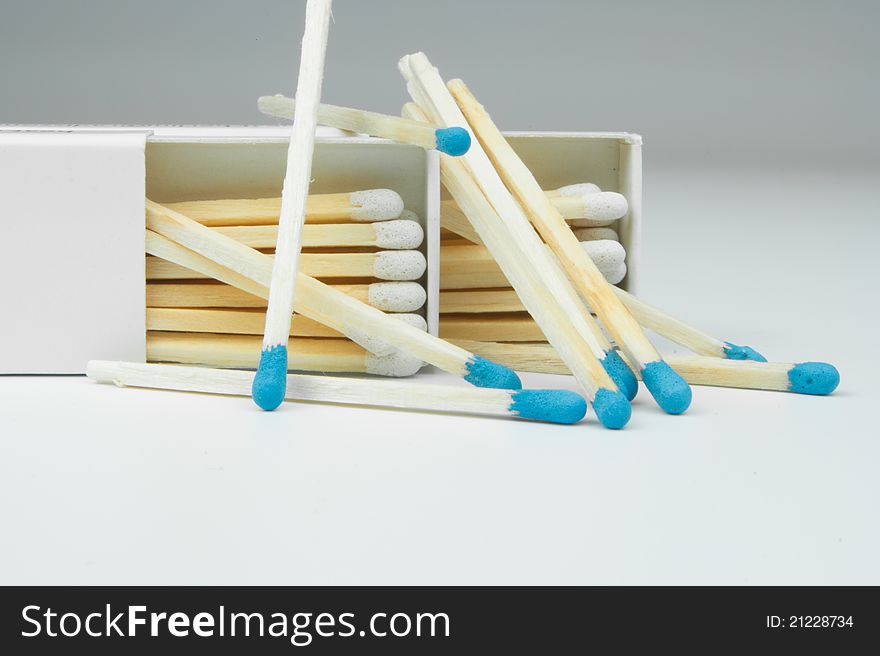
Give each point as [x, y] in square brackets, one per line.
[527, 282]
[363, 244]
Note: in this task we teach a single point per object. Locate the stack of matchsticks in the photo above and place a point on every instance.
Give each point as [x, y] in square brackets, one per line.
[476, 300]
[527, 279]
[363, 243]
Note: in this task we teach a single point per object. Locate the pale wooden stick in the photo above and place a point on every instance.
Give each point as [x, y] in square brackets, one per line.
[519, 327]
[572, 209]
[681, 333]
[480, 301]
[360, 206]
[814, 378]
[385, 265]
[648, 316]
[669, 390]
[570, 334]
[243, 322]
[385, 296]
[305, 354]
[270, 379]
[558, 406]
[399, 234]
[470, 266]
[452, 141]
[224, 259]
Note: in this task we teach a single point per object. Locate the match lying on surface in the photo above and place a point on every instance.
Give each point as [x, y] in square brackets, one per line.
[555, 406]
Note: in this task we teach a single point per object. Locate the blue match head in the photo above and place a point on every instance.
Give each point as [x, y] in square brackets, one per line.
[270, 383]
[736, 352]
[557, 406]
[621, 374]
[817, 378]
[669, 389]
[484, 373]
[453, 141]
[611, 408]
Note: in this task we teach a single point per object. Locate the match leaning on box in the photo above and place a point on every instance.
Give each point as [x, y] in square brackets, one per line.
[524, 259]
[533, 277]
[668, 388]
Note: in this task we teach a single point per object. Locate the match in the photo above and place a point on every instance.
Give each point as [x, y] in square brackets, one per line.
[304, 354]
[451, 141]
[365, 206]
[244, 322]
[554, 406]
[488, 301]
[385, 296]
[469, 266]
[397, 234]
[576, 211]
[384, 265]
[670, 391]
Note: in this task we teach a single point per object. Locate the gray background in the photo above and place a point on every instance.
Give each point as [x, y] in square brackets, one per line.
[778, 83]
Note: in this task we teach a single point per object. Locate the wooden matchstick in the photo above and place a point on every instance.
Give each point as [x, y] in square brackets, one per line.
[384, 265]
[648, 316]
[367, 206]
[385, 296]
[469, 266]
[178, 239]
[577, 211]
[452, 141]
[478, 301]
[814, 378]
[398, 234]
[681, 333]
[565, 325]
[305, 354]
[271, 379]
[517, 327]
[557, 406]
[244, 322]
[670, 391]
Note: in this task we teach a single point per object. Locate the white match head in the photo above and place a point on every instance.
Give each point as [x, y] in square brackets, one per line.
[376, 205]
[580, 189]
[399, 265]
[608, 256]
[398, 234]
[605, 206]
[397, 364]
[396, 296]
[594, 234]
[409, 215]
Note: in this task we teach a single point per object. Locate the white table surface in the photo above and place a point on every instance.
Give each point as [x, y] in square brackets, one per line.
[100, 485]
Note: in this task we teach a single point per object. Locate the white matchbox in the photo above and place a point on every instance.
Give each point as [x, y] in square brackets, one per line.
[72, 232]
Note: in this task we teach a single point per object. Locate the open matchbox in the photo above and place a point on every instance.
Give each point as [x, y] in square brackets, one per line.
[73, 228]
